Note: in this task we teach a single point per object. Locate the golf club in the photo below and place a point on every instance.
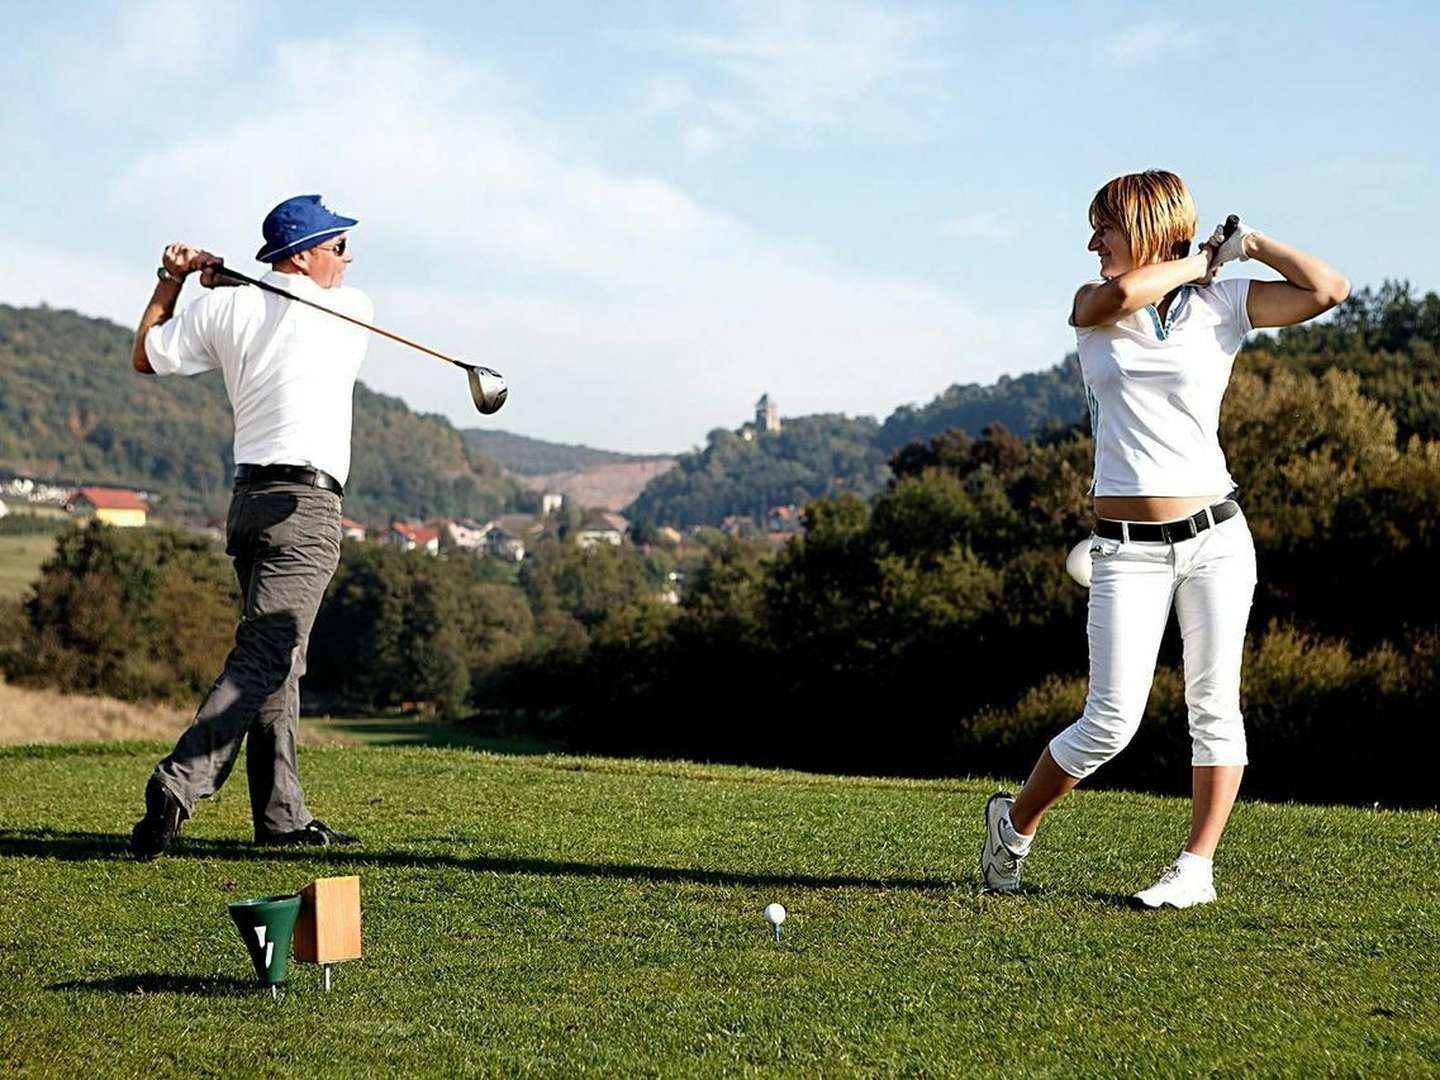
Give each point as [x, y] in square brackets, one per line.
[487, 386]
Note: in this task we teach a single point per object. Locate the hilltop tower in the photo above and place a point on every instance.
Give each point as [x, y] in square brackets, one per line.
[767, 415]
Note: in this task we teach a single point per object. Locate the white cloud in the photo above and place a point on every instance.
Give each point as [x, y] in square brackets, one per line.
[624, 312]
[150, 50]
[1149, 42]
[803, 67]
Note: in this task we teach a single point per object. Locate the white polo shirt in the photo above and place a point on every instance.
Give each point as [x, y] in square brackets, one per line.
[1155, 390]
[289, 370]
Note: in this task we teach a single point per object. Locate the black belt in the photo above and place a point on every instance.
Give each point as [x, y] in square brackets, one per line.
[288, 474]
[1169, 532]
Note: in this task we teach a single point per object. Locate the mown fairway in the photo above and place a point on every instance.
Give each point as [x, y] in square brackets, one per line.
[554, 915]
[20, 559]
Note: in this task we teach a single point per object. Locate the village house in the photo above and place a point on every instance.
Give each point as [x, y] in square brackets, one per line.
[351, 530]
[602, 527]
[413, 536]
[783, 519]
[113, 506]
[502, 544]
[462, 536]
[738, 525]
[509, 536]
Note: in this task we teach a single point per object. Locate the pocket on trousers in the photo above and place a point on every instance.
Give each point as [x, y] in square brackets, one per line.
[1102, 547]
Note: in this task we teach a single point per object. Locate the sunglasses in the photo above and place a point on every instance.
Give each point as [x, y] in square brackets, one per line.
[338, 248]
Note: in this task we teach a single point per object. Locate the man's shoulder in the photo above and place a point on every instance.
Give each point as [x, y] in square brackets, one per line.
[351, 301]
[219, 304]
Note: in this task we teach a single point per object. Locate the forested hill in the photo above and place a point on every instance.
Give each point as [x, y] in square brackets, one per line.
[1389, 337]
[815, 456]
[73, 411]
[812, 456]
[536, 457]
[1024, 404]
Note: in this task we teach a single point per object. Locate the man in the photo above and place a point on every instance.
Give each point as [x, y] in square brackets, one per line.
[290, 374]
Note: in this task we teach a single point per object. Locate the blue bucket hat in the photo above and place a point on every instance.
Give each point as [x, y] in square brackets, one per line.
[297, 225]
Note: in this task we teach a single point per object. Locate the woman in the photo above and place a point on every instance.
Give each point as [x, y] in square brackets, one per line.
[1157, 338]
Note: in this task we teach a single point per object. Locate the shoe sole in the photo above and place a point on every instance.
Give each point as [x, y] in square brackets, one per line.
[1144, 905]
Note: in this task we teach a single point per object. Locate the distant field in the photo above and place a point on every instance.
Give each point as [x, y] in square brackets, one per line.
[559, 916]
[20, 559]
[48, 716]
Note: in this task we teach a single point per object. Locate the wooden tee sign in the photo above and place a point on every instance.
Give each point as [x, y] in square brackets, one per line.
[328, 929]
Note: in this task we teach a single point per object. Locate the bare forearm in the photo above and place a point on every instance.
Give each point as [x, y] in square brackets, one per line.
[1136, 288]
[178, 260]
[160, 308]
[1300, 269]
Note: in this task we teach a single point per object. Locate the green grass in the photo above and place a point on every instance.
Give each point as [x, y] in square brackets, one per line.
[20, 559]
[553, 916]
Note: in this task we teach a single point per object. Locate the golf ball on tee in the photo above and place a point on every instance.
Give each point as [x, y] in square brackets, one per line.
[775, 914]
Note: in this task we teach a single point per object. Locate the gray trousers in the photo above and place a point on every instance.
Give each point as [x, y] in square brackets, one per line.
[285, 542]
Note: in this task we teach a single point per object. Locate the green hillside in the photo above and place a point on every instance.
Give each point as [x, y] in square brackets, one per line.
[73, 411]
[1024, 404]
[534, 457]
[1389, 337]
[569, 916]
[811, 457]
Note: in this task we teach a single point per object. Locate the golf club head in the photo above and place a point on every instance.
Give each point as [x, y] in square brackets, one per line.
[488, 389]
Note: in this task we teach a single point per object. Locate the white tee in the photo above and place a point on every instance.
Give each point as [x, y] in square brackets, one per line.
[289, 370]
[1155, 391]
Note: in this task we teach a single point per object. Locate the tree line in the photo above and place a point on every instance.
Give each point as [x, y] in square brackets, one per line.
[929, 629]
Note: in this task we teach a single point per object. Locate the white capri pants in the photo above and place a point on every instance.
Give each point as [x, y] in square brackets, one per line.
[1210, 581]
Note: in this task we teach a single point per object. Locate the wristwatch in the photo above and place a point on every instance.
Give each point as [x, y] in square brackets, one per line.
[165, 275]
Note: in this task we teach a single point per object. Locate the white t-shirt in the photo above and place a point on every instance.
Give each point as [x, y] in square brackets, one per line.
[289, 370]
[1155, 391]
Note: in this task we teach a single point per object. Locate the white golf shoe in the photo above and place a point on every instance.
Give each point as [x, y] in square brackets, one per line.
[1178, 888]
[1000, 867]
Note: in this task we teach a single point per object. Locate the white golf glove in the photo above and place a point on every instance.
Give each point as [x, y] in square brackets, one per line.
[1222, 250]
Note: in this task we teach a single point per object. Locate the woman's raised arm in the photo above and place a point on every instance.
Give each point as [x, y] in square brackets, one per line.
[1311, 286]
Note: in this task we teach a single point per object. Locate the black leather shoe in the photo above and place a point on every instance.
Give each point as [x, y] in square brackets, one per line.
[316, 834]
[161, 824]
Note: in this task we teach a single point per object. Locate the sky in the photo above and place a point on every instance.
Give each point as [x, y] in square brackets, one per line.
[646, 215]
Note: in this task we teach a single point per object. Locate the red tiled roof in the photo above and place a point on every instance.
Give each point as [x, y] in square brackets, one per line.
[109, 499]
[417, 534]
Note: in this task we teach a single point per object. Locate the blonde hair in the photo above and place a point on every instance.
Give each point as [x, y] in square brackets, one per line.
[1153, 209]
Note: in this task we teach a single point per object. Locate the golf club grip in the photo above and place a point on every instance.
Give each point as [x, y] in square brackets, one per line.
[237, 278]
[1231, 224]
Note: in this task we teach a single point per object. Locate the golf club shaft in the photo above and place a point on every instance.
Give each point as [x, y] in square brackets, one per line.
[237, 276]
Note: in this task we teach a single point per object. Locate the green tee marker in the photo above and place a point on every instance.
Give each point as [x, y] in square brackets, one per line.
[266, 924]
